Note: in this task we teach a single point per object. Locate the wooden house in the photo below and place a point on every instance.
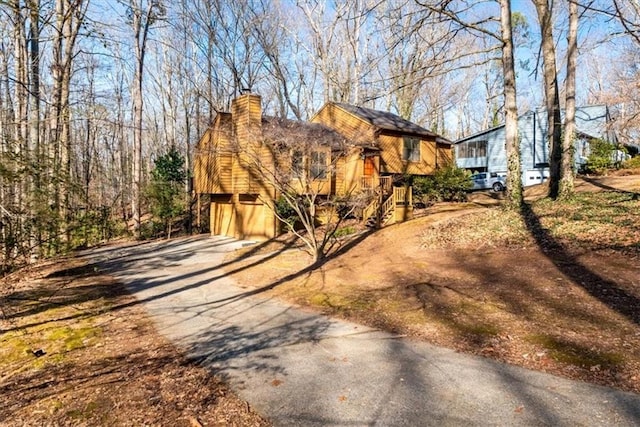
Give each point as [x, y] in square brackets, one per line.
[400, 147]
[485, 151]
[244, 159]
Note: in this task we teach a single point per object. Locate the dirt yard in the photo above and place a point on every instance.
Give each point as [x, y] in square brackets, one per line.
[75, 349]
[559, 294]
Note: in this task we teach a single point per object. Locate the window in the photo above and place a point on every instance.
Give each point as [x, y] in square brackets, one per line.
[411, 151]
[318, 167]
[472, 149]
[313, 166]
[249, 198]
[297, 164]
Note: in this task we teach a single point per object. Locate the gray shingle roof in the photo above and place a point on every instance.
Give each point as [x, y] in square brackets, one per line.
[387, 121]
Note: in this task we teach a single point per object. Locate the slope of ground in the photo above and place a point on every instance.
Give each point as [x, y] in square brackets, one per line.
[553, 288]
[76, 349]
[558, 292]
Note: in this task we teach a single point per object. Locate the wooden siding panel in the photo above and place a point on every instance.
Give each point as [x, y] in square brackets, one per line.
[348, 172]
[353, 171]
[212, 172]
[247, 129]
[444, 155]
[224, 177]
[222, 133]
[392, 151]
[339, 176]
[203, 165]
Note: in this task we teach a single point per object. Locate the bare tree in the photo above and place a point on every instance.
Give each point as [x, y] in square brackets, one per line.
[544, 9]
[291, 165]
[484, 27]
[282, 63]
[514, 177]
[335, 38]
[143, 14]
[413, 67]
[70, 17]
[565, 189]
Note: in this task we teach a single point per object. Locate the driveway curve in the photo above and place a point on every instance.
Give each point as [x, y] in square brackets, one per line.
[296, 367]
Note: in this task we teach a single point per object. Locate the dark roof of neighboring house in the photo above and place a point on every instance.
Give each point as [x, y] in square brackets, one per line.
[389, 121]
[290, 132]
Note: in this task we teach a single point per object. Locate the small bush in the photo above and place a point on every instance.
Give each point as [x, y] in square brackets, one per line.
[166, 190]
[344, 231]
[601, 158]
[285, 212]
[448, 184]
[632, 163]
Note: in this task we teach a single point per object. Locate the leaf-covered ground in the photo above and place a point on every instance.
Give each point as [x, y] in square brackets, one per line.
[76, 349]
[554, 288]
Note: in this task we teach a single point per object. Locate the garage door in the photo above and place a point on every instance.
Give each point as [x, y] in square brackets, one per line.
[222, 219]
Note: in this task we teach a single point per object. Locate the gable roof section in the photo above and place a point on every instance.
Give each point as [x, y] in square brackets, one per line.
[389, 121]
[482, 132]
[591, 121]
[289, 132]
[221, 124]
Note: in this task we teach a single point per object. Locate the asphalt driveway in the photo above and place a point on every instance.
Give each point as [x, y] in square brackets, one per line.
[296, 367]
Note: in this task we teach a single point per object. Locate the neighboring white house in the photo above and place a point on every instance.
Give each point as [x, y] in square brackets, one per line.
[485, 151]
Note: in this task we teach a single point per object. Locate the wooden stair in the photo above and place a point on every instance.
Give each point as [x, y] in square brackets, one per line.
[382, 209]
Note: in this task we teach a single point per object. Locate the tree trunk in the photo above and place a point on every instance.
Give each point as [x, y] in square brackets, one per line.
[137, 150]
[514, 174]
[552, 96]
[20, 103]
[34, 149]
[141, 22]
[567, 171]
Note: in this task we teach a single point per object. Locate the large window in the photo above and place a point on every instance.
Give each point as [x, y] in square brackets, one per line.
[472, 149]
[313, 166]
[411, 150]
[318, 167]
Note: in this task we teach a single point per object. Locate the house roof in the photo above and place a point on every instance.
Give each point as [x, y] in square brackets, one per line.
[591, 121]
[389, 121]
[290, 132]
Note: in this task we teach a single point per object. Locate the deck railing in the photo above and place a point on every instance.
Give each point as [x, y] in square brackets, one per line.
[383, 209]
[403, 196]
[371, 209]
[387, 210]
[373, 183]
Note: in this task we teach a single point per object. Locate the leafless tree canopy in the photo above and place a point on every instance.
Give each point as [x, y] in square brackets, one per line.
[91, 92]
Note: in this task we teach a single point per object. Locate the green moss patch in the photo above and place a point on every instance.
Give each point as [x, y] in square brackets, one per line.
[575, 354]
